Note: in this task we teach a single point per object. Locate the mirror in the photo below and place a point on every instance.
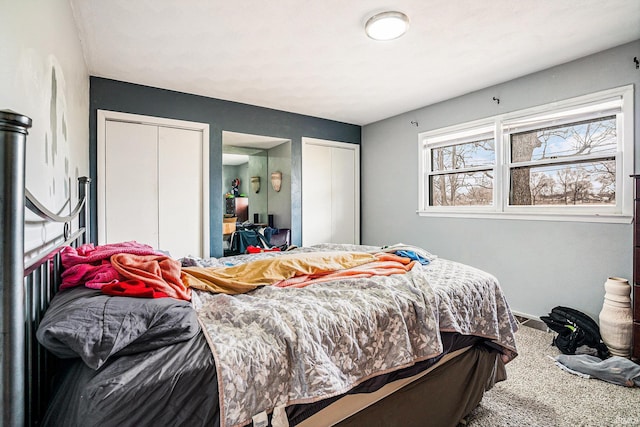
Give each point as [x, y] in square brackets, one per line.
[252, 159]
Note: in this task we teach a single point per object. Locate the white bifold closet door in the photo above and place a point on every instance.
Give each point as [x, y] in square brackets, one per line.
[153, 182]
[131, 183]
[330, 192]
[180, 191]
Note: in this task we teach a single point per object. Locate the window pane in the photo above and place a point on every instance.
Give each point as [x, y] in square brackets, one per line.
[588, 183]
[462, 189]
[460, 156]
[575, 139]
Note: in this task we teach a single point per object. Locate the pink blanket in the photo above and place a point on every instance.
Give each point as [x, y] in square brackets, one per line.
[158, 271]
[89, 265]
[385, 265]
[89, 254]
[92, 276]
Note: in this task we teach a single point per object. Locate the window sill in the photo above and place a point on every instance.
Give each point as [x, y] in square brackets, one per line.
[591, 217]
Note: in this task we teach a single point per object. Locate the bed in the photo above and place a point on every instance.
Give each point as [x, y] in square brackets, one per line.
[412, 348]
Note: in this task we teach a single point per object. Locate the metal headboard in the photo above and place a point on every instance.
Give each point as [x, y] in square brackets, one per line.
[27, 286]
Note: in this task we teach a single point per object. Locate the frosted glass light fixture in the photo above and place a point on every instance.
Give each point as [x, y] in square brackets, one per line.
[387, 25]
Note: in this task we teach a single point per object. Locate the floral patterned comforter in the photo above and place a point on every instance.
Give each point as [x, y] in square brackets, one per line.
[280, 346]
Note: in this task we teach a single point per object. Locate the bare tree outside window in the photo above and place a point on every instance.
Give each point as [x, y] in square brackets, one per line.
[569, 164]
[463, 174]
[568, 160]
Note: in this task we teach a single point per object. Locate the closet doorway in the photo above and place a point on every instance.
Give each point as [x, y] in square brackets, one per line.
[153, 182]
[252, 159]
[330, 192]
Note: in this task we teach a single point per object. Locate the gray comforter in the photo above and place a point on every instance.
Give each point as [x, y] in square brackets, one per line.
[275, 347]
[127, 362]
[135, 361]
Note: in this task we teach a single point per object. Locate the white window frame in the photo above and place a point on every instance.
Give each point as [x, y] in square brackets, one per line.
[502, 126]
[468, 132]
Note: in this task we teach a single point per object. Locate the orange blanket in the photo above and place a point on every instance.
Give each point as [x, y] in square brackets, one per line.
[386, 265]
[158, 271]
[298, 270]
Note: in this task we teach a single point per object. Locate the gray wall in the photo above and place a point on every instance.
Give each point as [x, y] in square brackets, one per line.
[43, 76]
[540, 264]
[221, 116]
[279, 201]
[259, 202]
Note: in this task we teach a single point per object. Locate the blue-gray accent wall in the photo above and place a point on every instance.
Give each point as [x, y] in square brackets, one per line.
[540, 264]
[113, 95]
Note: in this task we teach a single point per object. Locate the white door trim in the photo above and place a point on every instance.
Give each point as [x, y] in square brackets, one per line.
[105, 115]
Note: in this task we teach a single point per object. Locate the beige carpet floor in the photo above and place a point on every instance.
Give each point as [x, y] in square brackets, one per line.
[538, 393]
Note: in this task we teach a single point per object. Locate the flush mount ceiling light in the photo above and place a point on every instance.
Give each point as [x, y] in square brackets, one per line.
[387, 25]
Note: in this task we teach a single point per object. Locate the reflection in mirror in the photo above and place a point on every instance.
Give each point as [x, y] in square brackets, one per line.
[252, 159]
[243, 163]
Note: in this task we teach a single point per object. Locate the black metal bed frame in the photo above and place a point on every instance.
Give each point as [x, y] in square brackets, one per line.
[28, 280]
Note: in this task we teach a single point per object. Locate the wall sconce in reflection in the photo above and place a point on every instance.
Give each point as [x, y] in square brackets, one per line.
[255, 184]
[276, 180]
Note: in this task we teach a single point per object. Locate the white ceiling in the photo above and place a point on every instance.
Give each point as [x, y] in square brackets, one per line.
[248, 140]
[237, 147]
[313, 57]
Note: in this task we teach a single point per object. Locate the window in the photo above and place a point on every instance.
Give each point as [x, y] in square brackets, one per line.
[571, 160]
[570, 164]
[462, 168]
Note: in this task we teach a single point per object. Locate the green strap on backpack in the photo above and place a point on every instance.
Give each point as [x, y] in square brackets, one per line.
[574, 329]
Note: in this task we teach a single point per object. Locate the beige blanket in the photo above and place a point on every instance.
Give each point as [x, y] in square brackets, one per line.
[247, 277]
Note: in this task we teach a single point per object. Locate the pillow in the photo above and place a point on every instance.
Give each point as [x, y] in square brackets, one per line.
[85, 323]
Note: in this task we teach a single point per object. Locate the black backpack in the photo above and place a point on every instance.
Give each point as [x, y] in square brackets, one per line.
[574, 329]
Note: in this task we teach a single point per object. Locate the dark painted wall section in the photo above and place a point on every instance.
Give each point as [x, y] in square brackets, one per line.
[221, 115]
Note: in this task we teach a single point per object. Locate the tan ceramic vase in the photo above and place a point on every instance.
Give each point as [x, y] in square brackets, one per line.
[616, 319]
